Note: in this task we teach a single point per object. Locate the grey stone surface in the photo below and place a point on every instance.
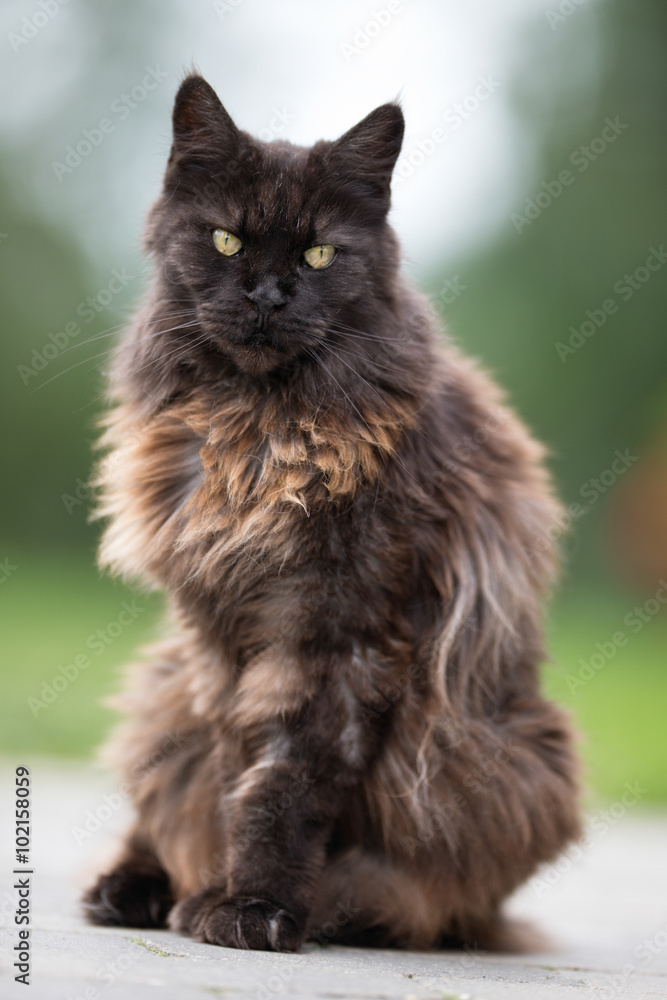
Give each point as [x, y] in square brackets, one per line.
[603, 908]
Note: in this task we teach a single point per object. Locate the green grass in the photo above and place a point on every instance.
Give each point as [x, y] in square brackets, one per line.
[52, 607]
[51, 612]
[153, 948]
[620, 709]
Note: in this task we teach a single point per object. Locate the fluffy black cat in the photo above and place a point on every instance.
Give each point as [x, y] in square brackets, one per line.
[354, 535]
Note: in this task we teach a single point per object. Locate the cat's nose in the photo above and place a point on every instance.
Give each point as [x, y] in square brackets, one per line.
[266, 298]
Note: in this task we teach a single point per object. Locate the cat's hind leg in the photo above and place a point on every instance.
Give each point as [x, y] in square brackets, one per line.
[135, 893]
[366, 900]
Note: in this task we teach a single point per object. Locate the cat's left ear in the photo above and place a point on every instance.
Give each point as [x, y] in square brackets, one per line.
[369, 150]
[202, 129]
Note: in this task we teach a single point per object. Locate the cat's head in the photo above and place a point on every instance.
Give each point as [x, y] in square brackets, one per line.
[274, 245]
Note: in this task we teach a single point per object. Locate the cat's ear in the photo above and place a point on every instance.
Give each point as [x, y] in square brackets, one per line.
[202, 129]
[369, 150]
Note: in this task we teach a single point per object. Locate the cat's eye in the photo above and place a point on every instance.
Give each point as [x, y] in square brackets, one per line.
[226, 243]
[321, 256]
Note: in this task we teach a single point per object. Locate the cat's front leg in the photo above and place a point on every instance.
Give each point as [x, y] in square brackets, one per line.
[281, 815]
[238, 921]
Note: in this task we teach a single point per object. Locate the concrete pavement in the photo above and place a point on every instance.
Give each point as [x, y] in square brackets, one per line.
[604, 908]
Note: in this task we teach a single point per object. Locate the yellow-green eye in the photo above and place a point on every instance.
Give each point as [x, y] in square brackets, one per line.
[321, 256]
[226, 243]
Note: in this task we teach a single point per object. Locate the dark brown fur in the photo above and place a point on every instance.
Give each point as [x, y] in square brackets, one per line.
[354, 533]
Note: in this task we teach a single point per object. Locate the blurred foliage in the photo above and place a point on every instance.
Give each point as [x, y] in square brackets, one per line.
[523, 292]
[526, 290]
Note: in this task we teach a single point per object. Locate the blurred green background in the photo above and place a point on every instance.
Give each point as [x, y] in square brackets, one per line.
[541, 275]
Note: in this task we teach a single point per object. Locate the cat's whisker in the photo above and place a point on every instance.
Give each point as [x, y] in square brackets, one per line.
[337, 345]
[382, 398]
[363, 334]
[354, 406]
[355, 329]
[113, 330]
[384, 403]
[158, 333]
[362, 357]
[182, 348]
[103, 354]
[382, 456]
[84, 361]
[114, 353]
[100, 368]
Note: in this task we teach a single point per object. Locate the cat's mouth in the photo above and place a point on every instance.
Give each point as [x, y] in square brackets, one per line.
[260, 345]
[260, 336]
[256, 349]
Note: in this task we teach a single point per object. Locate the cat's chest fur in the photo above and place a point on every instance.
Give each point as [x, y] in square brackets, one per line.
[212, 484]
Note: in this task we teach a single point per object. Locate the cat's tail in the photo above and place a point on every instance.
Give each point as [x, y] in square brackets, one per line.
[503, 934]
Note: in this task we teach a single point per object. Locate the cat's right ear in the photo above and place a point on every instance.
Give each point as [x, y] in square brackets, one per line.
[202, 129]
[368, 151]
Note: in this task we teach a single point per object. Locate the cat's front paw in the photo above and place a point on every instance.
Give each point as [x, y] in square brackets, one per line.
[237, 922]
[130, 896]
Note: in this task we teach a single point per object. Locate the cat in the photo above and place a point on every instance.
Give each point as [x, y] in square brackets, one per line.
[342, 737]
